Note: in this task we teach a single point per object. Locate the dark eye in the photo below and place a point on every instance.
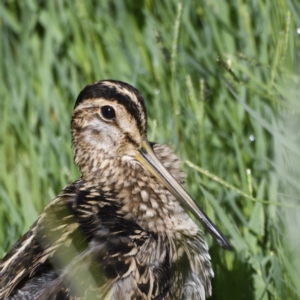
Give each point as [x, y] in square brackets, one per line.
[108, 112]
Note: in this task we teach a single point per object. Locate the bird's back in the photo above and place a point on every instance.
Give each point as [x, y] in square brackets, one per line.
[93, 251]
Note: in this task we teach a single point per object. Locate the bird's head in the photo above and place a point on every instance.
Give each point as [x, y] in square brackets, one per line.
[110, 121]
[109, 118]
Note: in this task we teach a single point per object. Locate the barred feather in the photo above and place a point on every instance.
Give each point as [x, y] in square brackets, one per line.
[117, 232]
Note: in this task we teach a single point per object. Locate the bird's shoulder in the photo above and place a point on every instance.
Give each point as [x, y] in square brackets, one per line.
[28, 256]
[83, 224]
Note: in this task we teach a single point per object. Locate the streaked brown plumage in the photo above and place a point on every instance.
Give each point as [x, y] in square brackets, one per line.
[119, 232]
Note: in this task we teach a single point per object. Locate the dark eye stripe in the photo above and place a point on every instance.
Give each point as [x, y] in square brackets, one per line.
[131, 140]
[102, 89]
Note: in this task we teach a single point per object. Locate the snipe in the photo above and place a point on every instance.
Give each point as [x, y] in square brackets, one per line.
[118, 232]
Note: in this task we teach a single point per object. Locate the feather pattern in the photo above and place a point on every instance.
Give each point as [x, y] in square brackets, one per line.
[116, 233]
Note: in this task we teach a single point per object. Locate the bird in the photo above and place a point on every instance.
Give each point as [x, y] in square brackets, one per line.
[122, 230]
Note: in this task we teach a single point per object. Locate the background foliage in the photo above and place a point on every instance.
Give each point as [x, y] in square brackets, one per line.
[221, 83]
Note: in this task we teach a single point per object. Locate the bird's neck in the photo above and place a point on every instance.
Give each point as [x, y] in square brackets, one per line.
[141, 197]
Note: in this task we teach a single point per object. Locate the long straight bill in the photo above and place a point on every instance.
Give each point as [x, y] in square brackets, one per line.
[148, 159]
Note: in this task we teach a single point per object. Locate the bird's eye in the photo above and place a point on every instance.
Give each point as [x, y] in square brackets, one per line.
[108, 112]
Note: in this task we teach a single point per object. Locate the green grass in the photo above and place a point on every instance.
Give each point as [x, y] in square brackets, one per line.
[215, 76]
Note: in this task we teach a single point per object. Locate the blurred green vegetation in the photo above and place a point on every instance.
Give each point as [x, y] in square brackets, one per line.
[221, 83]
